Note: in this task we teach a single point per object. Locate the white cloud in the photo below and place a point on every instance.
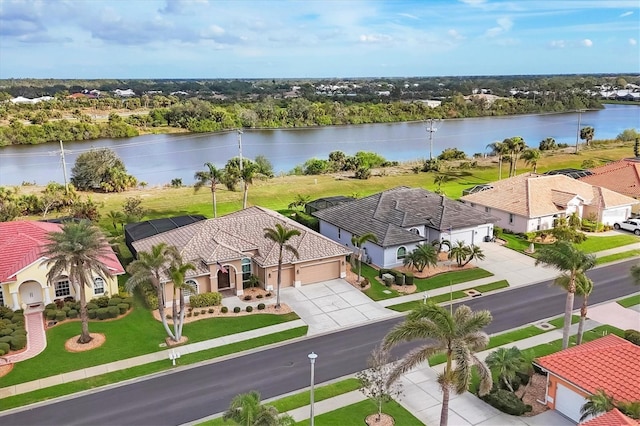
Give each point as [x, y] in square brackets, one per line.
[375, 38]
[587, 43]
[504, 25]
[633, 41]
[473, 2]
[557, 44]
[455, 35]
[408, 15]
[626, 14]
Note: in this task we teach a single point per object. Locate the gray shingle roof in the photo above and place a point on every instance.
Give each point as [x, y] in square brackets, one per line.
[388, 214]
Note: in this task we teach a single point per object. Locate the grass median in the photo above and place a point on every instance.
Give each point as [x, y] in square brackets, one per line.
[618, 256]
[630, 301]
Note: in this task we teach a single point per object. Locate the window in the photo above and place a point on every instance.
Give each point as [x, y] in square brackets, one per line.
[401, 253]
[487, 209]
[62, 288]
[1, 297]
[415, 231]
[511, 217]
[339, 233]
[188, 292]
[246, 270]
[98, 285]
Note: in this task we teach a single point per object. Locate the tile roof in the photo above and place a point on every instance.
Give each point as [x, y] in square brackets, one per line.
[621, 176]
[609, 363]
[611, 418]
[22, 243]
[388, 214]
[532, 195]
[241, 234]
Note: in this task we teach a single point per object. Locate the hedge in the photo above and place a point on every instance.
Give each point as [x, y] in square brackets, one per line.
[123, 307]
[633, 336]
[408, 278]
[204, 300]
[5, 348]
[72, 313]
[18, 342]
[507, 402]
[93, 313]
[102, 313]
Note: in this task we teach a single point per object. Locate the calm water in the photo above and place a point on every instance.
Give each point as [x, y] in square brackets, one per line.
[157, 159]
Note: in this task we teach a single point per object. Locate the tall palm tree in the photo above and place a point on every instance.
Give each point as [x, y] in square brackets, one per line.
[358, 242]
[281, 235]
[635, 273]
[177, 272]
[597, 403]
[211, 178]
[247, 410]
[248, 173]
[584, 287]
[565, 257]
[531, 157]
[586, 134]
[458, 335]
[506, 363]
[77, 250]
[423, 256]
[499, 149]
[150, 268]
[514, 146]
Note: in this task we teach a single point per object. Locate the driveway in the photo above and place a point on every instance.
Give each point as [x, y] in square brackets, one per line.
[332, 305]
[615, 315]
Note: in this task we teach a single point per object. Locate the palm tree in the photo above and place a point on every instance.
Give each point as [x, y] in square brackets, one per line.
[281, 235]
[531, 157]
[116, 218]
[506, 363]
[635, 273]
[77, 250]
[246, 409]
[248, 173]
[499, 149]
[458, 335]
[586, 134]
[597, 403]
[358, 242]
[149, 268]
[459, 252]
[474, 252]
[300, 201]
[424, 255]
[564, 256]
[515, 146]
[177, 272]
[211, 178]
[584, 287]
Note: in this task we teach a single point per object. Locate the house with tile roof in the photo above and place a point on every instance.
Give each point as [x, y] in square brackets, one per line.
[401, 218]
[611, 418]
[228, 250]
[621, 176]
[531, 202]
[609, 363]
[23, 273]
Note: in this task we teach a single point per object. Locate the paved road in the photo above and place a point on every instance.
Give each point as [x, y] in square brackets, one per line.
[193, 393]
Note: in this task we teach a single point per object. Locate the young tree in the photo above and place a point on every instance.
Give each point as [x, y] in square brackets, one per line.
[374, 382]
[531, 158]
[77, 250]
[565, 257]
[247, 410]
[299, 202]
[281, 236]
[116, 218]
[458, 335]
[597, 403]
[459, 251]
[100, 170]
[211, 178]
[586, 134]
[474, 252]
[506, 363]
[358, 242]
[423, 256]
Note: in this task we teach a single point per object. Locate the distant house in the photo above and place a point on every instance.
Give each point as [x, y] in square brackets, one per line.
[23, 274]
[23, 100]
[228, 250]
[609, 364]
[401, 218]
[621, 176]
[126, 93]
[531, 202]
[326, 202]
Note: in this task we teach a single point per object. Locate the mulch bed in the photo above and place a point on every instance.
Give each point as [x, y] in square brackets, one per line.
[97, 340]
[385, 420]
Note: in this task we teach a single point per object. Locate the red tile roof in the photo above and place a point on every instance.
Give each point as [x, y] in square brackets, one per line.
[611, 418]
[609, 363]
[621, 176]
[22, 243]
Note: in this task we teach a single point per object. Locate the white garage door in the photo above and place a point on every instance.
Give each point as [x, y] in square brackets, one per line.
[465, 236]
[569, 403]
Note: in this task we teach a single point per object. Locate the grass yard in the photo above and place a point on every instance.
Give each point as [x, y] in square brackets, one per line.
[618, 256]
[595, 243]
[559, 322]
[145, 369]
[135, 334]
[453, 277]
[356, 413]
[630, 301]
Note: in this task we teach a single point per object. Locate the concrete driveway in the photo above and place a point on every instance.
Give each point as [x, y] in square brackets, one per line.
[332, 305]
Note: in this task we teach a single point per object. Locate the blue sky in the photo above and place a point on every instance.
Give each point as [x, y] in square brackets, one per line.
[315, 39]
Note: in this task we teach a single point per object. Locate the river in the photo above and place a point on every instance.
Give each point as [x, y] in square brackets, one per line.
[157, 159]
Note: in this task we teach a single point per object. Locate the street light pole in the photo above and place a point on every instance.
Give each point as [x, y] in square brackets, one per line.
[312, 359]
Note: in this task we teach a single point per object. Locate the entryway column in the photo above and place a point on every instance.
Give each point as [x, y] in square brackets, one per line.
[14, 299]
[47, 298]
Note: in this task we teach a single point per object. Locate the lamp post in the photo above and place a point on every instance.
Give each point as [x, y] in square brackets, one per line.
[312, 359]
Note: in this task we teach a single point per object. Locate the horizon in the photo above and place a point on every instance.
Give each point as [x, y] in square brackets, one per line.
[205, 40]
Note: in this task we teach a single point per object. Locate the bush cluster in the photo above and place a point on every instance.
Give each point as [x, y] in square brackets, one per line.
[13, 335]
[100, 308]
[633, 336]
[307, 220]
[149, 295]
[203, 300]
[507, 402]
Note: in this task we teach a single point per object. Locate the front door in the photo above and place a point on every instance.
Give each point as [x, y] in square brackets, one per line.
[223, 280]
[31, 293]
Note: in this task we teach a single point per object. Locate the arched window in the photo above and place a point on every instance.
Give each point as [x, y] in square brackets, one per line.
[1, 298]
[246, 271]
[193, 284]
[98, 285]
[415, 231]
[401, 253]
[63, 288]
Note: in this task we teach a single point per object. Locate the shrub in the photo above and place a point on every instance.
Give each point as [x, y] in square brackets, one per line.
[5, 339]
[408, 278]
[211, 310]
[18, 342]
[633, 336]
[506, 402]
[168, 316]
[388, 281]
[383, 271]
[5, 347]
[259, 296]
[203, 311]
[236, 309]
[196, 313]
[72, 313]
[93, 313]
[17, 318]
[149, 295]
[115, 301]
[102, 313]
[61, 315]
[6, 332]
[113, 311]
[66, 309]
[123, 307]
[224, 309]
[261, 306]
[128, 300]
[50, 314]
[268, 294]
[189, 315]
[249, 309]
[102, 302]
[399, 278]
[364, 283]
[248, 297]
[50, 306]
[204, 300]
[92, 305]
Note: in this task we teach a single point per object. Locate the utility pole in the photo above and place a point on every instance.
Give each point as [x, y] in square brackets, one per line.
[64, 169]
[578, 131]
[240, 148]
[431, 130]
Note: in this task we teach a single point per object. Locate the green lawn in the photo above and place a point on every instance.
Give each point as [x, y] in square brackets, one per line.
[356, 413]
[591, 245]
[618, 256]
[145, 369]
[630, 301]
[136, 334]
[559, 322]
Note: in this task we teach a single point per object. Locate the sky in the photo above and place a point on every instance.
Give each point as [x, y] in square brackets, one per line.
[89, 39]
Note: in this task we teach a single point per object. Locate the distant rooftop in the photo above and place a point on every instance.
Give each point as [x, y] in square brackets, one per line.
[477, 188]
[572, 173]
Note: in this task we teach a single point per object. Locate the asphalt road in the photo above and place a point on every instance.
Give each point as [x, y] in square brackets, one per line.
[192, 393]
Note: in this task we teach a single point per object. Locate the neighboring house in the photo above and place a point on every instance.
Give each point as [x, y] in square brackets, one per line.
[611, 418]
[228, 250]
[23, 273]
[609, 363]
[621, 176]
[531, 202]
[401, 218]
[326, 202]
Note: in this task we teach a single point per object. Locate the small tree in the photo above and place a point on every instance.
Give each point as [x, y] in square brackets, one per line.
[374, 382]
[358, 242]
[586, 134]
[133, 209]
[459, 251]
